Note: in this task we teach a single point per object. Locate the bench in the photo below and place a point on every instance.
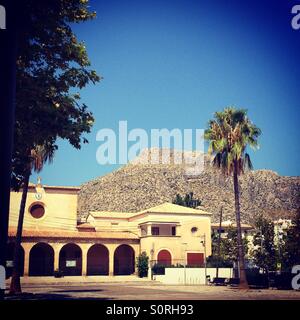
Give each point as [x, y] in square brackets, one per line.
[218, 281]
[232, 281]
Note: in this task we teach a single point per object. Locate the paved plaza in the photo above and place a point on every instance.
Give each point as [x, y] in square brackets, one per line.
[140, 289]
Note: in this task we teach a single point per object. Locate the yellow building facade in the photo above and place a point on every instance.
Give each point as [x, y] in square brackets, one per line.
[108, 242]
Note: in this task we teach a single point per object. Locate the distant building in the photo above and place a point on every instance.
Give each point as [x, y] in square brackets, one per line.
[280, 228]
[227, 225]
[108, 242]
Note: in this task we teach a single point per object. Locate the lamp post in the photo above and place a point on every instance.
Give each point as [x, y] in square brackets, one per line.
[184, 245]
[219, 242]
[151, 261]
[203, 242]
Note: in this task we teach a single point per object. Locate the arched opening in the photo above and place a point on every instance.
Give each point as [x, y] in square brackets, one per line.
[70, 260]
[41, 260]
[164, 258]
[10, 249]
[124, 260]
[97, 260]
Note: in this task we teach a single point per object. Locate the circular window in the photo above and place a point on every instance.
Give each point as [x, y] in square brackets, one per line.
[37, 211]
[194, 229]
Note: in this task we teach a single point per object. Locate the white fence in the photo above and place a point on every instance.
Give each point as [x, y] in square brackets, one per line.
[191, 276]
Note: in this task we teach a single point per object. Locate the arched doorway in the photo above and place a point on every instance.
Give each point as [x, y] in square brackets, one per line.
[97, 260]
[164, 258]
[70, 260]
[41, 260]
[124, 260]
[10, 249]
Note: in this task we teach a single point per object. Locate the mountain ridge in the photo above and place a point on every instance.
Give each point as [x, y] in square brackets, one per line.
[138, 186]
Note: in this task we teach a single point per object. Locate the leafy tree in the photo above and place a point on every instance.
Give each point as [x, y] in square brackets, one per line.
[229, 134]
[187, 200]
[39, 156]
[291, 246]
[218, 258]
[265, 251]
[178, 200]
[51, 66]
[142, 263]
[228, 247]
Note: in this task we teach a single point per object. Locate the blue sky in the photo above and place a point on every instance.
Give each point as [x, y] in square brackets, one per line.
[171, 64]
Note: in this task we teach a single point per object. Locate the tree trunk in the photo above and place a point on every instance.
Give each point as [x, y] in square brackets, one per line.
[15, 285]
[8, 42]
[241, 255]
[219, 243]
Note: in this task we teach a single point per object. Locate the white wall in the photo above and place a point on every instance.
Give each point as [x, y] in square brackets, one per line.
[191, 275]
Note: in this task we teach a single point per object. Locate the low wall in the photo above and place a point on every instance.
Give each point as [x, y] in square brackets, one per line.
[191, 276]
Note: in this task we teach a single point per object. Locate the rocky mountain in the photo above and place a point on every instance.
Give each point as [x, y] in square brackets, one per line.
[138, 186]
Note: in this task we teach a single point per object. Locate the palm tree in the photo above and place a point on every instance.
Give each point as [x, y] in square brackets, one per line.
[39, 155]
[229, 134]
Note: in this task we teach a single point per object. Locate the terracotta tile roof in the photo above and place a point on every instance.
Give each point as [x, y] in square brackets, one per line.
[64, 234]
[113, 214]
[174, 208]
[163, 208]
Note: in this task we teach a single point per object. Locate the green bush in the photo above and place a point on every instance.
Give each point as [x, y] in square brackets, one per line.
[158, 269]
[214, 262]
[142, 264]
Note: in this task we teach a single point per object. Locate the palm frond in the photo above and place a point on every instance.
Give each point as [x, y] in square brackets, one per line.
[42, 154]
[247, 162]
[229, 134]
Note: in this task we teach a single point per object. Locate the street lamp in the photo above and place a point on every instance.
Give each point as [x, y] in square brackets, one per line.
[151, 260]
[203, 242]
[185, 245]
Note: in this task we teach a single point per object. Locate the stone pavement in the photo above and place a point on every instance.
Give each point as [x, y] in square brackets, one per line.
[144, 290]
[79, 280]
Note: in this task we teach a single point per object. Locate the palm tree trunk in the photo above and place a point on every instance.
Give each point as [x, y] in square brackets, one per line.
[219, 243]
[15, 285]
[241, 255]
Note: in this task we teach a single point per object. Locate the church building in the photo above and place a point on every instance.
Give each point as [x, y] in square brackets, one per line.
[107, 243]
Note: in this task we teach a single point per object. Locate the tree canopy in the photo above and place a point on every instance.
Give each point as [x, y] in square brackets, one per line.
[291, 247]
[229, 134]
[52, 66]
[265, 250]
[228, 246]
[187, 201]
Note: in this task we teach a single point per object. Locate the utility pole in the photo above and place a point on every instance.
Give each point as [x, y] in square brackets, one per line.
[219, 242]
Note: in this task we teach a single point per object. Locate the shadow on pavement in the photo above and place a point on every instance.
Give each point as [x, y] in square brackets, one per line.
[79, 290]
[51, 296]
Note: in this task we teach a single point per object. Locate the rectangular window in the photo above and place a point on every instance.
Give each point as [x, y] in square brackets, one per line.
[155, 231]
[173, 231]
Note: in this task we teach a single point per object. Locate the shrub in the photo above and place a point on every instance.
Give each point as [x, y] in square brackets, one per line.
[214, 262]
[158, 269]
[142, 264]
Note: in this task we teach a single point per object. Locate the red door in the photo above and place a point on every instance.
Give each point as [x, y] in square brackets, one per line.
[164, 258]
[195, 259]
